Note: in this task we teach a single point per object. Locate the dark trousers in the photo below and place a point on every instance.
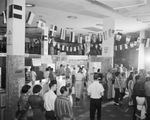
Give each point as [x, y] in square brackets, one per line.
[117, 95]
[95, 104]
[134, 107]
[122, 94]
[148, 108]
[49, 115]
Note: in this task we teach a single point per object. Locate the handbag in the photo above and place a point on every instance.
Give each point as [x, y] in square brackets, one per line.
[29, 113]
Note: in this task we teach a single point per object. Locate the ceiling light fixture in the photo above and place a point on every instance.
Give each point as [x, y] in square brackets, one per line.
[29, 5]
[72, 17]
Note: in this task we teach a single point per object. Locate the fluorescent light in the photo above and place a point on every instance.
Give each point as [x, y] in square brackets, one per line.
[29, 5]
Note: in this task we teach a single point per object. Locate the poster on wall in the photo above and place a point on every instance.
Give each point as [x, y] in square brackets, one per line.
[94, 66]
[36, 61]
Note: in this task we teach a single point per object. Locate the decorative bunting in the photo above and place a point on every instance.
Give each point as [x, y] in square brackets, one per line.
[62, 34]
[52, 30]
[118, 36]
[128, 38]
[80, 39]
[99, 37]
[15, 11]
[131, 45]
[54, 43]
[72, 37]
[70, 49]
[126, 46]
[4, 14]
[75, 49]
[30, 18]
[116, 48]
[41, 24]
[120, 47]
[147, 42]
[63, 48]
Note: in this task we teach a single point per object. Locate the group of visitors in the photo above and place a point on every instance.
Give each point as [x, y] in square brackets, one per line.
[136, 84]
[34, 106]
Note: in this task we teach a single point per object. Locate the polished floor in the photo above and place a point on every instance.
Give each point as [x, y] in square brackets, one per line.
[109, 110]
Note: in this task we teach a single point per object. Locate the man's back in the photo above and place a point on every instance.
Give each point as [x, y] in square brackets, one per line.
[63, 106]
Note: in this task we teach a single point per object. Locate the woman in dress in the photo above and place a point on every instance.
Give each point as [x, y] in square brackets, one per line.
[36, 103]
[22, 102]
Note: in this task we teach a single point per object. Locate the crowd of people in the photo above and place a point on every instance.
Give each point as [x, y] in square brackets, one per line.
[134, 83]
[117, 83]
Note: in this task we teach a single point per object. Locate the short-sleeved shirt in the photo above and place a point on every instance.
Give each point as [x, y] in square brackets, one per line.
[49, 100]
[95, 89]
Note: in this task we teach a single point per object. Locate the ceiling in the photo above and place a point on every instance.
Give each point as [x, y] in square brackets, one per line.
[129, 15]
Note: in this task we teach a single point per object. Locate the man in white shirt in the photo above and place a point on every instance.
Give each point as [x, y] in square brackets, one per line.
[95, 91]
[49, 100]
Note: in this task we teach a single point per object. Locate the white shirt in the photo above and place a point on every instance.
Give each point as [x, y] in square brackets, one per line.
[95, 90]
[49, 100]
[79, 76]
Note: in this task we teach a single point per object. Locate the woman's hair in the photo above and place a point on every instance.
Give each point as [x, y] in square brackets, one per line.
[37, 88]
[63, 89]
[25, 88]
[52, 83]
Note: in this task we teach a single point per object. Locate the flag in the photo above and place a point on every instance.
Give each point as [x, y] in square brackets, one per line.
[147, 42]
[131, 44]
[52, 30]
[4, 14]
[118, 36]
[63, 48]
[44, 37]
[75, 49]
[30, 18]
[54, 43]
[80, 39]
[126, 46]
[41, 24]
[87, 38]
[120, 47]
[99, 37]
[72, 37]
[105, 35]
[62, 34]
[67, 48]
[113, 31]
[70, 49]
[15, 11]
[116, 48]
[58, 46]
[96, 46]
[128, 38]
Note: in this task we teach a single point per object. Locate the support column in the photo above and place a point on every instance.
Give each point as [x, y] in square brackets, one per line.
[141, 57]
[108, 39]
[44, 43]
[15, 76]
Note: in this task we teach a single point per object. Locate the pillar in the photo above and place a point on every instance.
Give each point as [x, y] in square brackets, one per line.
[108, 39]
[141, 57]
[15, 76]
[44, 43]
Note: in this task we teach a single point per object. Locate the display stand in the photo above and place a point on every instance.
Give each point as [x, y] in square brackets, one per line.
[2, 103]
